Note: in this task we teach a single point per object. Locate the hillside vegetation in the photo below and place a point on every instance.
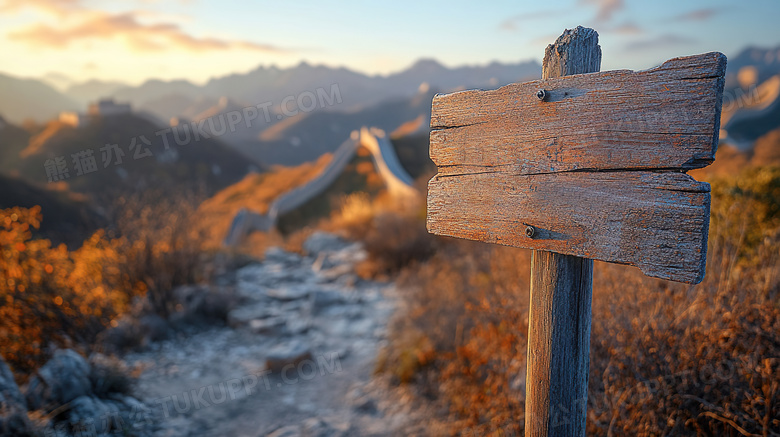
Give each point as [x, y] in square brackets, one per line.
[666, 358]
[53, 297]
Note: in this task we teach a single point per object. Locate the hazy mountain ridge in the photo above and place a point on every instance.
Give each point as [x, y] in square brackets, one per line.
[272, 84]
[263, 84]
[13, 139]
[21, 99]
[92, 90]
[388, 102]
[766, 61]
[32, 98]
[308, 135]
[151, 158]
[67, 217]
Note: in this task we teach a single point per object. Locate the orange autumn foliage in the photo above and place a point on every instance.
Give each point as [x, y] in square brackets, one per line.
[50, 296]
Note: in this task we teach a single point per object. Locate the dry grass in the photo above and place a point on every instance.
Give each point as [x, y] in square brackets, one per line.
[164, 246]
[51, 297]
[392, 230]
[666, 358]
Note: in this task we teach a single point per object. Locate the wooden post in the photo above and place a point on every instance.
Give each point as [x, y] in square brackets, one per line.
[561, 289]
[579, 167]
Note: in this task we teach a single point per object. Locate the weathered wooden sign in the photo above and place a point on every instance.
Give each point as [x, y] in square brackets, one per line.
[579, 166]
[590, 165]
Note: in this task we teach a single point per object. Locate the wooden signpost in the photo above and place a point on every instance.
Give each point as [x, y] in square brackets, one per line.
[579, 166]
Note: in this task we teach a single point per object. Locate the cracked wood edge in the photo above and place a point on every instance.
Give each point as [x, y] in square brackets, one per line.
[665, 118]
[657, 222]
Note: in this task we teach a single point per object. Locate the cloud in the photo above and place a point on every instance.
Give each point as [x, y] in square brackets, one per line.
[56, 7]
[698, 15]
[142, 37]
[511, 23]
[661, 41]
[606, 8]
[627, 28]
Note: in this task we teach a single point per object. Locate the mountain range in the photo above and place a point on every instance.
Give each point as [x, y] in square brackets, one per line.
[398, 103]
[765, 61]
[118, 154]
[22, 99]
[167, 99]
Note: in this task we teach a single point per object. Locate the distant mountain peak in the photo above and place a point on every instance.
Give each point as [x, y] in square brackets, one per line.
[426, 64]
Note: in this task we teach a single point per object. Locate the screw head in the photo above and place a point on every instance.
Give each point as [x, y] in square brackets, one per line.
[530, 231]
[541, 95]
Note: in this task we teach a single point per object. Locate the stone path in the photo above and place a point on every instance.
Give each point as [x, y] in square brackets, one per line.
[296, 359]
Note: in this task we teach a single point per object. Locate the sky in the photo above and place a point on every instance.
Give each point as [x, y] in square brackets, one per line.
[135, 40]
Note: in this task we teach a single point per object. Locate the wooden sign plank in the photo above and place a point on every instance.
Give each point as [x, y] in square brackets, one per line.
[655, 221]
[595, 168]
[664, 118]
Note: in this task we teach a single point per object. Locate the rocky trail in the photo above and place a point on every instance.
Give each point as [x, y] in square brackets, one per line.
[296, 359]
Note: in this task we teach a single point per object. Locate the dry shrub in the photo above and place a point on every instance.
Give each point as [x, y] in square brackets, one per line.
[51, 297]
[355, 215]
[670, 359]
[163, 244]
[395, 241]
[666, 358]
[464, 319]
[392, 230]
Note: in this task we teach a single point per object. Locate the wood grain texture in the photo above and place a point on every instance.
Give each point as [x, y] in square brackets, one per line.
[559, 321]
[655, 221]
[664, 118]
[576, 51]
[596, 166]
[559, 314]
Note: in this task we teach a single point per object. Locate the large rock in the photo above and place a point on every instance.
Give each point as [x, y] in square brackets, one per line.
[88, 413]
[64, 378]
[13, 408]
[121, 415]
[9, 391]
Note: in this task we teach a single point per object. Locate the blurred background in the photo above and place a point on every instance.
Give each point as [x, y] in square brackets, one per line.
[212, 222]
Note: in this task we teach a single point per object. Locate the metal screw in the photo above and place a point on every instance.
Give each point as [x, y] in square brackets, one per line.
[530, 231]
[541, 95]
